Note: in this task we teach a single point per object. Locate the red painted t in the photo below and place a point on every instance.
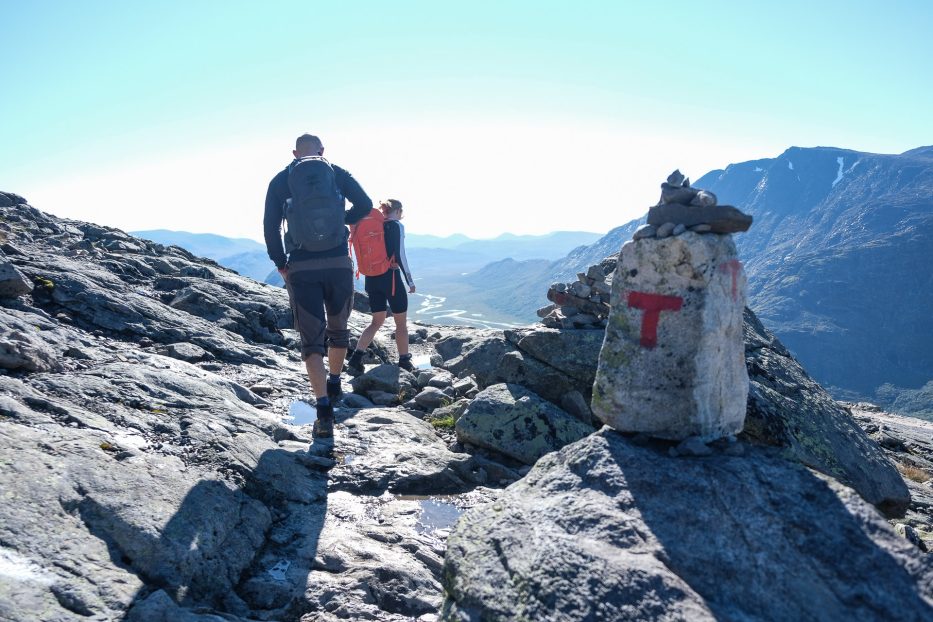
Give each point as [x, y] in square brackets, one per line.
[652, 305]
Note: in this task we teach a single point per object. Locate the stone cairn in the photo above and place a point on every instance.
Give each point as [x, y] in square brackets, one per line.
[583, 303]
[672, 365]
[683, 209]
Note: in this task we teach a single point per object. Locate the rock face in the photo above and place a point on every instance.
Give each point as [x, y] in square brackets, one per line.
[512, 420]
[788, 409]
[672, 363]
[154, 442]
[143, 487]
[606, 529]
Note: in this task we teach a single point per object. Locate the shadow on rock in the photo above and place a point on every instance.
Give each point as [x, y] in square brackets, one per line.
[607, 529]
[245, 551]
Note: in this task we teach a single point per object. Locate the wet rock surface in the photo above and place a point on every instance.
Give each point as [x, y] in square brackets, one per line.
[608, 529]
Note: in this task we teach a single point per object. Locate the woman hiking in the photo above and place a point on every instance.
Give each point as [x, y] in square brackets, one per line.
[387, 291]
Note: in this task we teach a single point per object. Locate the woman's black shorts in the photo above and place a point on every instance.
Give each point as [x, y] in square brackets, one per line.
[379, 289]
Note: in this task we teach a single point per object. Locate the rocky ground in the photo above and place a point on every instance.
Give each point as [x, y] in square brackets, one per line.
[156, 460]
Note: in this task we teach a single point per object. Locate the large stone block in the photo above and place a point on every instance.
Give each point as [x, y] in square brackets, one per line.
[514, 421]
[672, 364]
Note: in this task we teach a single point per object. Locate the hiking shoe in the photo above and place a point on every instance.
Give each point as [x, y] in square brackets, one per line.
[324, 424]
[355, 364]
[334, 391]
[404, 361]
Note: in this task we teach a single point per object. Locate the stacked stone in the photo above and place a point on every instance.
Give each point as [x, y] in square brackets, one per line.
[683, 208]
[583, 303]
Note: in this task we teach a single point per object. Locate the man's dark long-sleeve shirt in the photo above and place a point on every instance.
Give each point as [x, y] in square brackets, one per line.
[276, 195]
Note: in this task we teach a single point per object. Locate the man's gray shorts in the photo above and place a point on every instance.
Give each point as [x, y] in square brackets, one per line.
[315, 286]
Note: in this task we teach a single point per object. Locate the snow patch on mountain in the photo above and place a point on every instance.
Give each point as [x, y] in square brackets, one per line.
[839, 174]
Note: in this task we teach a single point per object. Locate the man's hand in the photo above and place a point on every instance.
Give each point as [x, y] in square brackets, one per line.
[411, 290]
[283, 272]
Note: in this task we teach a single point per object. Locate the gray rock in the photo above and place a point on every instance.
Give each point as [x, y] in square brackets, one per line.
[424, 377]
[569, 311]
[24, 347]
[441, 380]
[431, 398]
[665, 230]
[465, 386]
[645, 231]
[543, 311]
[704, 198]
[12, 281]
[184, 351]
[574, 403]
[454, 410]
[607, 529]
[583, 320]
[482, 358]
[580, 290]
[383, 398]
[575, 353]
[680, 228]
[595, 273]
[701, 228]
[519, 368]
[514, 421]
[354, 400]
[910, 534]
[387, 378]
[721, 219]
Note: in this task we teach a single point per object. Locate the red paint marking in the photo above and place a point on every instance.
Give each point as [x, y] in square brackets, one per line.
[652, 305]
[735, 267]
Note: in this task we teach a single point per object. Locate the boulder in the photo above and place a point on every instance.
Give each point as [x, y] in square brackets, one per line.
[185, 351]
[607, 529]
[387, 378]
[548, 382]
[574, 352]
[12, 281]
[512, 420]
[481, 358]
[789, 409]
[672, 365]
[432, 397]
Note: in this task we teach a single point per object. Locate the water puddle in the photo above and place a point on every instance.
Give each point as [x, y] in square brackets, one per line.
[301, 412]
[437, 514]
[422, 361]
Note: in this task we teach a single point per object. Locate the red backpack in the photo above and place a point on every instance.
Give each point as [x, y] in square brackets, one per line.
[368, 241]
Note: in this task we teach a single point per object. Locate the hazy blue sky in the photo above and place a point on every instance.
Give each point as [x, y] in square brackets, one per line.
[482, 118]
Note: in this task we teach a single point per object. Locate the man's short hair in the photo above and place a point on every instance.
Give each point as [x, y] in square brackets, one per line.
[308, 142]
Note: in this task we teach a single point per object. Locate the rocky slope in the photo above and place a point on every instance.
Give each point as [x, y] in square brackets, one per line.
[155, 448]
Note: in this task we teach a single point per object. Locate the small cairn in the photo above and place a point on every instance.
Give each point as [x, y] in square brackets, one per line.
[683, 208]
[672, 365]
[583, 303]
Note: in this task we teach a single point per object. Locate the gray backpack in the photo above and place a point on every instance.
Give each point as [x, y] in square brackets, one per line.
[315, 213]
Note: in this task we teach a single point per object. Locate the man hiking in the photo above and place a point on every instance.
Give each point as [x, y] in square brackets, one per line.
[310, 196]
